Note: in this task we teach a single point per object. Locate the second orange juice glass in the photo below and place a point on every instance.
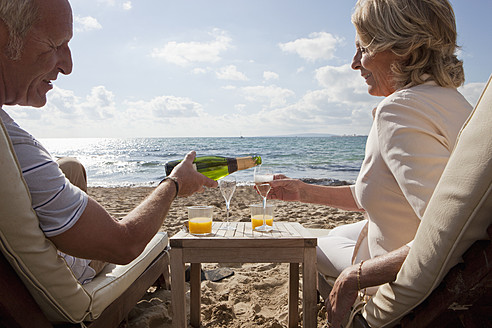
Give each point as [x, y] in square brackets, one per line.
[257, 215]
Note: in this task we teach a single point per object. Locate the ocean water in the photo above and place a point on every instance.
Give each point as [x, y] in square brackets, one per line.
[116, 162]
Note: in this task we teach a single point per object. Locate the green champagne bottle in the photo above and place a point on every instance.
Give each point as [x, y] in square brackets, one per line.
[217, 167]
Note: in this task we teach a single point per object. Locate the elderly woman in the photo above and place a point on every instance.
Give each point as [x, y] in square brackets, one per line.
[405, 51]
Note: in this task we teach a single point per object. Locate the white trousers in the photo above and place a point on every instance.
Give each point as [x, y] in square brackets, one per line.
[335, 251]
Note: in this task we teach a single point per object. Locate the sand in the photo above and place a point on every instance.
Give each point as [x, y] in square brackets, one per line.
[256, 294]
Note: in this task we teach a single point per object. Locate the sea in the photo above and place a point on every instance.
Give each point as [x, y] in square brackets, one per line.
[114, 162]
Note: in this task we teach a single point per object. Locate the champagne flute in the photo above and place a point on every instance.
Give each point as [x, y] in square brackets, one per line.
[227, 187]
[262, 176]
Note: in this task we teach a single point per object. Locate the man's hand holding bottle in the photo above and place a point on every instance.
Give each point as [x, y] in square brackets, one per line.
[189, 180]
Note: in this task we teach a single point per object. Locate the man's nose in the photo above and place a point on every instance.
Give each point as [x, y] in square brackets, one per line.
[65, 63]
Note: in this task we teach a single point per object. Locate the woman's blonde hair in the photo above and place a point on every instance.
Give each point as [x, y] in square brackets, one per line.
[422, 32]
[18, 16]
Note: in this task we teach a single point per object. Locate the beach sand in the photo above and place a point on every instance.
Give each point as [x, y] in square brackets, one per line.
[256, 294]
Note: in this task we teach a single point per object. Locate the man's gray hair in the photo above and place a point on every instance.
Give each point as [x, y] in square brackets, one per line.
[18, 16]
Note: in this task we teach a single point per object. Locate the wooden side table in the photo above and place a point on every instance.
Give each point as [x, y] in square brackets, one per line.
[289, 242]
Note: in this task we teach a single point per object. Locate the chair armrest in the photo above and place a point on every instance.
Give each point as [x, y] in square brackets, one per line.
[360, 322]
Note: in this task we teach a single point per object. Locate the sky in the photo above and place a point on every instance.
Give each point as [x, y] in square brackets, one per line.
[224, 68]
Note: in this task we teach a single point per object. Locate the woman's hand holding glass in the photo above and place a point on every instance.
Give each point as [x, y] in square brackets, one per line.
[284, 188]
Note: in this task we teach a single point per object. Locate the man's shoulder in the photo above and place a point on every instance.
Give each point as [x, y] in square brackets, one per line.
[19, 137]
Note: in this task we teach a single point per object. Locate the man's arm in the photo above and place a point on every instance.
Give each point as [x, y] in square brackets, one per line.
[98, 236]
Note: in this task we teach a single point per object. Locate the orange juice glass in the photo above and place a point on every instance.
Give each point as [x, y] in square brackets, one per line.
[200, 220]
[257, 220]
[257, 215]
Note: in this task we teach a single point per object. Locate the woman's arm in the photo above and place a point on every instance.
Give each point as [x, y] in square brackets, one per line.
[373, 272]
[295, 190]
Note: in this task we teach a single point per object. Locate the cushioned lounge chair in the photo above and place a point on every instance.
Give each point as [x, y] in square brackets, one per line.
[37, 289]
[455, 234]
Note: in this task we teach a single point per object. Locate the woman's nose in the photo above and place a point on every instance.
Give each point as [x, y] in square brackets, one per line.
[356, 60]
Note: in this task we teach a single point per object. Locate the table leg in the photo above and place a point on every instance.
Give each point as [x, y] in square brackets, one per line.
[293, 295]
[309, 272]
[195, 294]
[178, 288]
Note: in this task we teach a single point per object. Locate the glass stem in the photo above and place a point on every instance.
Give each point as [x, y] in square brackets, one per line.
[227, 213]
[264, 210]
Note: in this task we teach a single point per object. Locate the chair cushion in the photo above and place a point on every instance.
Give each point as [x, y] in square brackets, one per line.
[115, 279]
[318, 233]
[458, 214]
[32, 256]
[61, 297]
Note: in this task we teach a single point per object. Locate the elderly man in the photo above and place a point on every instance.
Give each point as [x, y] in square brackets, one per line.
[34, 37]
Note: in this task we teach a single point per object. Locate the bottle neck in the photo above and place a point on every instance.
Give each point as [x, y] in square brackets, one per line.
[232, 165]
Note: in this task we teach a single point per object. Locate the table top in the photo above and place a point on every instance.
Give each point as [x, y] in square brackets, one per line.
[284, 234]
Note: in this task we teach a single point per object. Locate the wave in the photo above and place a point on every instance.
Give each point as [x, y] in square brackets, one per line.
[327, 182]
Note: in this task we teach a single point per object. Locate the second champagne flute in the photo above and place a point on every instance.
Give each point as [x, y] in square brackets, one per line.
[227, 187]
[262, 177]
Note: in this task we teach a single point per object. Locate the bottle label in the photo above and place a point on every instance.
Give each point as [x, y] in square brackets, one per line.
[245, 163]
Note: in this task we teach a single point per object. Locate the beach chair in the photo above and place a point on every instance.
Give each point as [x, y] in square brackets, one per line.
[37, 289]
[445, 280]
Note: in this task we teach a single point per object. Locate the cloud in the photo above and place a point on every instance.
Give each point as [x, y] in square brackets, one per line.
[199, 70]
[229, 87]
[271, 96]
[164, 108]
[339, 105]
[342, 100]
[319, 45]
[63, 101]
[267, 75]
[472, 92]
[127, 5]
[343, 85]
[240, 107]
[257, 110]
[231, 73]
[186, 53]
[85, 24]
[107, 2]
[99, 104]
[67, 114]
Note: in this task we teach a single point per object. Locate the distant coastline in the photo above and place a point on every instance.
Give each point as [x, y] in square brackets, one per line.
[315, 135]
[305, 135]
